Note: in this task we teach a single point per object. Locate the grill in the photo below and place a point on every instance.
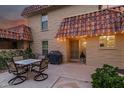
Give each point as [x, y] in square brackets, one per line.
[55, 57]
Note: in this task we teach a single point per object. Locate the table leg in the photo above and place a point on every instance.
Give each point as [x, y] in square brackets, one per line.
[29, 71]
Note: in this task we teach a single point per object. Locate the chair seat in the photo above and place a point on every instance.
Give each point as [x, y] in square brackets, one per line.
[37, 70]
[20, 71]
[36, 64]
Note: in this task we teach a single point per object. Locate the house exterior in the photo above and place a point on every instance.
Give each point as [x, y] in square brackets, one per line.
[76, 29]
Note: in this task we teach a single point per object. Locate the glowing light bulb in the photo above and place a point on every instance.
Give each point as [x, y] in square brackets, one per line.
[84, 43]
[104, 36]
[64, 39]
[115, 32]
[57, 38]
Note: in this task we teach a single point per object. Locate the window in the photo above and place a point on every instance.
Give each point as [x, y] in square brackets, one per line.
[44, 47]
[107, 41]
[44, 23]
[14, 45]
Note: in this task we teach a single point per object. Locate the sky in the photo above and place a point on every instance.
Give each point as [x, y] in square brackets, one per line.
[11, 12]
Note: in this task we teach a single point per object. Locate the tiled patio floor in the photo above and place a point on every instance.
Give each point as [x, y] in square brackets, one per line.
[71, 75]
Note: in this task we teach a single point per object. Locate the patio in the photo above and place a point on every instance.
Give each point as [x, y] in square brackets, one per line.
[71, 75]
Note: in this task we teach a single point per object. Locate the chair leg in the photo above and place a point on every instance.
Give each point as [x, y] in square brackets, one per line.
[13, 81]
[42, 75]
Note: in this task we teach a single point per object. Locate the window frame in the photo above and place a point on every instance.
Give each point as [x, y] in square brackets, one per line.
[43, 21]
[106, 43]
[43, 48]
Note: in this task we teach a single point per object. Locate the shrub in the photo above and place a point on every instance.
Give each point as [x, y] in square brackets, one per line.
[6, 55]
[107, 77]
[28, 53]
[2, 61]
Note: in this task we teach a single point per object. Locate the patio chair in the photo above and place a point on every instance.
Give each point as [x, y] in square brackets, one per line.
[16, 70]
[39, 69]
[17, 58]
[39, 56]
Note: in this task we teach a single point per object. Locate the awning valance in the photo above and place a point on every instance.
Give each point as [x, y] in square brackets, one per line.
[102, 22]
[20, 32]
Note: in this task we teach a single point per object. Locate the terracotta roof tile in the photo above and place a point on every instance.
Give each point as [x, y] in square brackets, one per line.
[92, 24]
[34, 9]
[20, 32]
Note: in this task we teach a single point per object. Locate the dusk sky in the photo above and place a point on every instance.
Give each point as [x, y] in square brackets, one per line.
[11, 12]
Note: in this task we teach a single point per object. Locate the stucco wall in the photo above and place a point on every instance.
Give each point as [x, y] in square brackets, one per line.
[98, 57]
[120, 46]
[54, 20]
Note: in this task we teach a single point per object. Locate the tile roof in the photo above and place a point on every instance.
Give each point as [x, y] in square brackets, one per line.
[20, 32]
[91, 24]
[33, 9]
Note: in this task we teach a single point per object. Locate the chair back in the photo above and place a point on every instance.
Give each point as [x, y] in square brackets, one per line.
[11, 66]
[41, 57]
[44, 64]
[17, 58]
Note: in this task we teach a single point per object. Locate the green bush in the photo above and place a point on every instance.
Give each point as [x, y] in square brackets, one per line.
[3, 57]
[6, 55]
[28, 53]
[107, 77]
[2, 63]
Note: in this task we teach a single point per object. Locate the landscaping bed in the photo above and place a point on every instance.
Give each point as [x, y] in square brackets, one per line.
[6, 55]
[107, 77]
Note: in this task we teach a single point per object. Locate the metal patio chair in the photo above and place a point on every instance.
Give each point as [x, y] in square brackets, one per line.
[39, 69]
[17, 58]
[18, 71]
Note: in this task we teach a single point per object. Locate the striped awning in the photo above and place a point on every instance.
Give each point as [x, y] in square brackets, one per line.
[20, 32]
[108, 21]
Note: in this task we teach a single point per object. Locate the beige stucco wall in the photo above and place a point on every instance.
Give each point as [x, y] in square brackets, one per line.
[54, 20]
[98, 57]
